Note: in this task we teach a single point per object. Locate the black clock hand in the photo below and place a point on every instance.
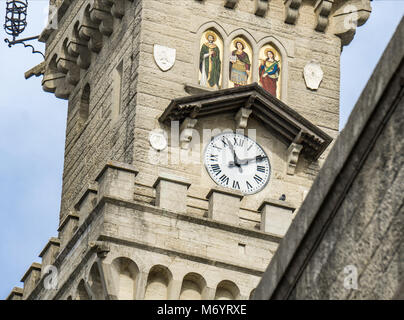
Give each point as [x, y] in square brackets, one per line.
[236, 161]
[247, 161]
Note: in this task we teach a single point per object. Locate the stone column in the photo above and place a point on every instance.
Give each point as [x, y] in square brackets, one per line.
[171, 192]
[224, 205]
[141, 285]
[276, 216]
[174, 289]
[117, 180]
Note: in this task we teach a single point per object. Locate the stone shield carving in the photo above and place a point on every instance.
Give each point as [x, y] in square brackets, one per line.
[164, 57]
[313, 75]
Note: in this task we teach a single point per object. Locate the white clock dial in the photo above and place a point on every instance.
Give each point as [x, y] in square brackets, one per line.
[237, 162]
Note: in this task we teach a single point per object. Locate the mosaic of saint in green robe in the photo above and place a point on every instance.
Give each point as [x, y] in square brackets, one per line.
[210, 64]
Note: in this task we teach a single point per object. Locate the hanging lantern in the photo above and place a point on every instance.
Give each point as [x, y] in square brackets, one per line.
[16, 22]
[16, 17]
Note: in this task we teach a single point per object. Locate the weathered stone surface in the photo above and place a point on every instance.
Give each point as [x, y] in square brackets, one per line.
[121, 234]
[350, 227]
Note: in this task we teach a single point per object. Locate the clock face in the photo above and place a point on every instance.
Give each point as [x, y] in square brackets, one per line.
[237, 162]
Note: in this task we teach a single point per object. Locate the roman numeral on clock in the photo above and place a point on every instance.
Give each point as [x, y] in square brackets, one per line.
[249, 186]
[238, 142]
[258, 179]
[236, 185]
[214, 157]
[216, 169]
[224, 179]
[261, 169]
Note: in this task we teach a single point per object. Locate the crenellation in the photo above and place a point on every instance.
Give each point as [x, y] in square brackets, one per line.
[31, 279]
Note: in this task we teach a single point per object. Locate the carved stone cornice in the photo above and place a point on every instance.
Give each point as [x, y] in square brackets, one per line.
[285, 123]
[85, 34]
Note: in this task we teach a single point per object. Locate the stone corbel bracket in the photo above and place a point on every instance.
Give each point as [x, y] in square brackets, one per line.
[67, 64]
[242, 118]
[293, 157]
[347, 17]
[85, 36]
[322, 9]
[230, 4]
[262, 7]
[292, 10]
[55, 82]
[101, 248]
[100, 13]
[186, 132]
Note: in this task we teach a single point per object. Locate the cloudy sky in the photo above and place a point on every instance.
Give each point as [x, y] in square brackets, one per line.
[32, 131]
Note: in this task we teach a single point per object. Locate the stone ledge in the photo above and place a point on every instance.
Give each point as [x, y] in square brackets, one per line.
[184, 255]
[54, 241]
[117, 165]
[15, 292]
[84, 194]
[226, 191]
[66, 219]
[277, 203]
[172, 178]
[196, 89]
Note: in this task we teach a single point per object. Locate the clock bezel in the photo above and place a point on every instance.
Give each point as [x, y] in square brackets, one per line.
[259, 145]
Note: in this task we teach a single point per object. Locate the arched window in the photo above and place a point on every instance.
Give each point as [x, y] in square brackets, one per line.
[193, 287]
[82, 293]
[158, 283]
[95, 283]
[85, 104]
[227, 290]
[125, 273]
[252, 294]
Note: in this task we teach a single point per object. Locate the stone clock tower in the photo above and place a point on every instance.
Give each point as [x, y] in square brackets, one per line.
[194, 132]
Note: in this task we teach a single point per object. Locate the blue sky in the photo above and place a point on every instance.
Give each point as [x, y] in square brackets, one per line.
[32, 131]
